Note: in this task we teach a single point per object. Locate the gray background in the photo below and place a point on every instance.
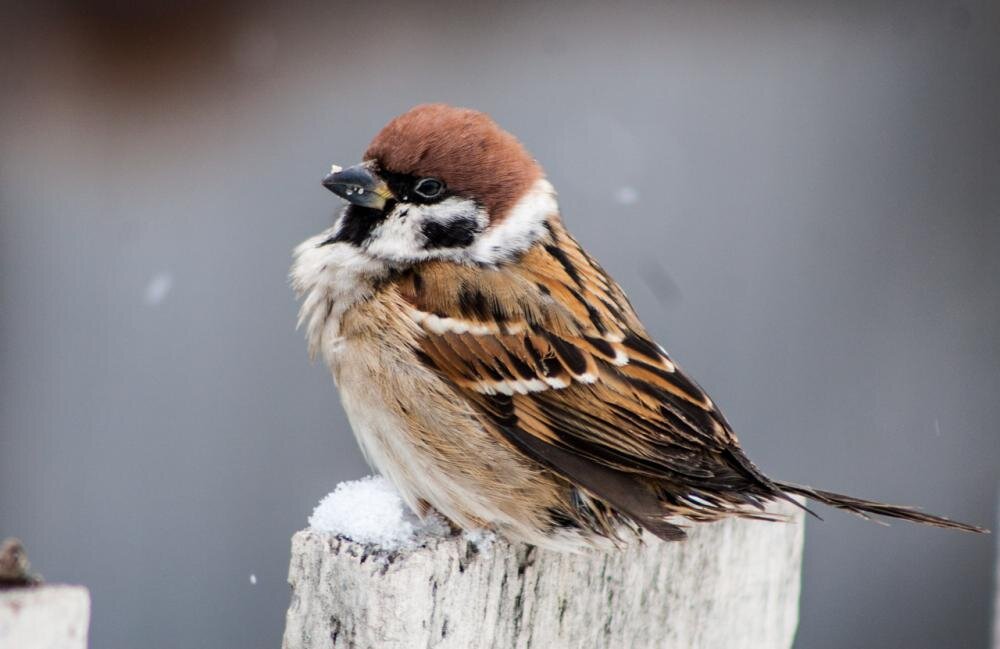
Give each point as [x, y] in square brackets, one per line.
[802, 199]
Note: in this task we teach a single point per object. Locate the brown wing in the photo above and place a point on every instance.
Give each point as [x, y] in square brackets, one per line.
[552, 354]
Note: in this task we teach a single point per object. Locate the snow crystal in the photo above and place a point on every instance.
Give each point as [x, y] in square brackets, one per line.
[370, 510]
[627, 195]
[253, 579]
[157, 288]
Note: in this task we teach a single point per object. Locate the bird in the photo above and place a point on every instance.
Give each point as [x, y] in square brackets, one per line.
[494, 372]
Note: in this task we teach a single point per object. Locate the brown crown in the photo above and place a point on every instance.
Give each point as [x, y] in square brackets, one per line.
[464, 148]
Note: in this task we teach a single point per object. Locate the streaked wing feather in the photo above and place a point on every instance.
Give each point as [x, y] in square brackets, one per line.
[552, 354]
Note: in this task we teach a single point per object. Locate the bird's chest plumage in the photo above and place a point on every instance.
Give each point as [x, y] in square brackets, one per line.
[417, 430]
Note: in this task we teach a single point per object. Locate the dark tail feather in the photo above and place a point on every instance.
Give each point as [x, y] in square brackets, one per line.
[864, 508]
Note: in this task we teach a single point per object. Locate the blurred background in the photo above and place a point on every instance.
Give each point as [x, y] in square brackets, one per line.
[801, 198]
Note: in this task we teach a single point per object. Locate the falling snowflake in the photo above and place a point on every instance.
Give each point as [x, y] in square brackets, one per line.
[627, 195]
[158, 288]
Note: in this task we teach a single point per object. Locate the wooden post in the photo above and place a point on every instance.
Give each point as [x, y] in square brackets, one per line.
[732, 584]
[44, 617]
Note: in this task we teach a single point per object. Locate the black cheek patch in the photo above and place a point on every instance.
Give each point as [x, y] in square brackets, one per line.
[456, 233]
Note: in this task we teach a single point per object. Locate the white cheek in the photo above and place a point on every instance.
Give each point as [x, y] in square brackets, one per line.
[520, 229]
[401, 238]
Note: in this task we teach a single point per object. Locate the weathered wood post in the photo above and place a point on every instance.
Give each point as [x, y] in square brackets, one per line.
[34, 615]
[731, 585]
[44, 617]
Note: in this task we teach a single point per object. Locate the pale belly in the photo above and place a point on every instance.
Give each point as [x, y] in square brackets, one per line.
[418, 432]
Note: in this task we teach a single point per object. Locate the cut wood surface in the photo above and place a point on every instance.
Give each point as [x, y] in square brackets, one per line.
[733, 584]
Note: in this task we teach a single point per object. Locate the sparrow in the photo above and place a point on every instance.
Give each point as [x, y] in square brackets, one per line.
[494, 372]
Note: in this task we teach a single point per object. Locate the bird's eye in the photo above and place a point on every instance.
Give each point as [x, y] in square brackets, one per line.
[429, 188]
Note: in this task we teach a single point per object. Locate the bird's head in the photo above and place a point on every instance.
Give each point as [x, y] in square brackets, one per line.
[440, 182]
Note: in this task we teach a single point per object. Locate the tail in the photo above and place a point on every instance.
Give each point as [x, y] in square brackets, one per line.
[864, 508]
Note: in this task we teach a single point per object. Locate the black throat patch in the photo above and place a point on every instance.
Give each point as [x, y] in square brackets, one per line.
[358, 223]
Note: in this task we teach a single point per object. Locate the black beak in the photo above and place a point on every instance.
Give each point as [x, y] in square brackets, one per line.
[359, 185]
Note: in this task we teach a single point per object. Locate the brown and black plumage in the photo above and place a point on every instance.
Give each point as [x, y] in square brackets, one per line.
[607, 408]
[493, 370]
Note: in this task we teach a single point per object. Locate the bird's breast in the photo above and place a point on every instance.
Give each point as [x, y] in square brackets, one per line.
[418, 431]
[331, 279]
